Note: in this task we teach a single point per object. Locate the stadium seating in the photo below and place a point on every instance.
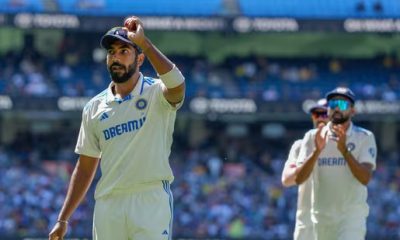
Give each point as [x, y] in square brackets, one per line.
[257, 78]
[221, 183]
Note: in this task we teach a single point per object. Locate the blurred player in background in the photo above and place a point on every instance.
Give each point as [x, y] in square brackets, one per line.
[304, 227]
[129, 126]
[340, 158]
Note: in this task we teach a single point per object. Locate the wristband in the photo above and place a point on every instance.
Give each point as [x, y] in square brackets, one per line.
[173, 78]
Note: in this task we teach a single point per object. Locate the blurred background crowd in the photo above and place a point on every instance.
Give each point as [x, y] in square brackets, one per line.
[226, 187]
[77, 71]
[227, 159]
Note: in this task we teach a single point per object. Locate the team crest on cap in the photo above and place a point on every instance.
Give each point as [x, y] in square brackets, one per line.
[120, 32]
[341, 90]
[350, 146]
[141, 104]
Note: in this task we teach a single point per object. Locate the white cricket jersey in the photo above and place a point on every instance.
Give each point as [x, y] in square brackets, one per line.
[303, 213]
[132, 136]
[335, 189]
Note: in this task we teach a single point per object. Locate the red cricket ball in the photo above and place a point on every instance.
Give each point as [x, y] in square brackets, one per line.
[130, 24]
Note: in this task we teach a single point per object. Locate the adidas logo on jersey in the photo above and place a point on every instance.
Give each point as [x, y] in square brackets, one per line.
[165, 232]
[104, 116]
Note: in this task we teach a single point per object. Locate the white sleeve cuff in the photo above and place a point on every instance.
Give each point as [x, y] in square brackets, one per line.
[173, 78]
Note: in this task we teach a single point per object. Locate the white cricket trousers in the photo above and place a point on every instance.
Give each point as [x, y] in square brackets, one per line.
[346, 226]
[303, 232]
[143, 213]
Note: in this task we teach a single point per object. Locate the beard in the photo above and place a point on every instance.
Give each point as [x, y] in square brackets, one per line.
[126, 75]
[336, 119]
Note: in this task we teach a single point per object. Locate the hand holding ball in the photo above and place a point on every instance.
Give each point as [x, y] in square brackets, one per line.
[130, 24]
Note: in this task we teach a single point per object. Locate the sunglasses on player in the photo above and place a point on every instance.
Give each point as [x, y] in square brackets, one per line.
[342, 104]
[319, 114]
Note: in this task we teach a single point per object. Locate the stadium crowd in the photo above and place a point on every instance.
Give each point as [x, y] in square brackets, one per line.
[225, 187]
[80, 71]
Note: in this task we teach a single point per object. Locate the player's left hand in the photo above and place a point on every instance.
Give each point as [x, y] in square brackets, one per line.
[340, 137]
[58, 231]
[136, 31]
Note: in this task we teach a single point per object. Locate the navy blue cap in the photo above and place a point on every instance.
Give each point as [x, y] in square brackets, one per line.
[116, 33]
[341, 91]
[320, 104]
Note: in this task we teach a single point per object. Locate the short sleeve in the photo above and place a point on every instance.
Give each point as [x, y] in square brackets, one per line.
[88, 142]
[293, 153]
[369, 151]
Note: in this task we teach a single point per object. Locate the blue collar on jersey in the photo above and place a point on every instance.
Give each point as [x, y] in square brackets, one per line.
[111, 98]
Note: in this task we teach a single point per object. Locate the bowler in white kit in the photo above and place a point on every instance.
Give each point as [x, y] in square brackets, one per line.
[128, 126]
[339, 158]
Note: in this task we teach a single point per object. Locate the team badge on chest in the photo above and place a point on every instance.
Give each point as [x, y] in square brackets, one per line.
[350, 146]
[141, 104]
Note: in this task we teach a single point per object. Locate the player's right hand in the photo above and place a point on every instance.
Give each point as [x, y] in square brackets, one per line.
[58, 231]
[320, 138]
[136, 31]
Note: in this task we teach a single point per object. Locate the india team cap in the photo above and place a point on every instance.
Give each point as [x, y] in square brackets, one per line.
[114, 34]
[341, 91]
[320, 104]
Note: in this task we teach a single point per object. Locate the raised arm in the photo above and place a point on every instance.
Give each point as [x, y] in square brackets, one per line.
[168, 72]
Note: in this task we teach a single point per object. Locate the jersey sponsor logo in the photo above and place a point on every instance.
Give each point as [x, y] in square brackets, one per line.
[350, 146]
[141, 104]
[123, 128]
[331, 161]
